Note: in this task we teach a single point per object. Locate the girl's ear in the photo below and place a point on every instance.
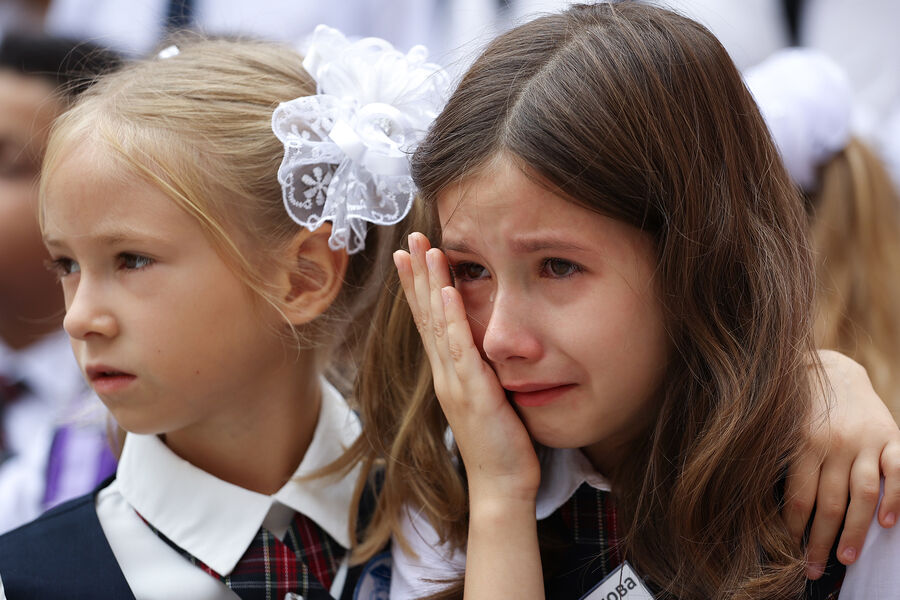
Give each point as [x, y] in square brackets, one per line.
[315, 275]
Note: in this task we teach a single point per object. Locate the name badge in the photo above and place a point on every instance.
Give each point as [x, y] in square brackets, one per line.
[622, 584]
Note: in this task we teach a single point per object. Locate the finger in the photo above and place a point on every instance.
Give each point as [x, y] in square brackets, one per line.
[864, 490]
[404, 272]
[403, 262]
[438, 277]
[461, 349]
[800, 493]
[890, 500]
[418, 245]
[831, 505]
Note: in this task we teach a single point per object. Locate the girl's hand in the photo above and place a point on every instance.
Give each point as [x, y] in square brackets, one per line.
[501, 466]
[500, 460]
[856, 438]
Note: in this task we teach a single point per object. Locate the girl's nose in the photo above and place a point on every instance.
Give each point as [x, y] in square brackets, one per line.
[87, 314]
[511, 333]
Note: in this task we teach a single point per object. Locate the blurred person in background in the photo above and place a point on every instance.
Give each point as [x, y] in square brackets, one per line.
[854, 217]
[136, 28]
[23, 15]
[52, 447]
[861, 37]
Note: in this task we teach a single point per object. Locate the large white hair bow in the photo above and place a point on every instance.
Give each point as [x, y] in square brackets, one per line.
[807, 102]
[346, 149]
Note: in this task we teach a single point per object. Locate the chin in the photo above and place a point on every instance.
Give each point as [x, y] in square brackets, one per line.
[556, 437]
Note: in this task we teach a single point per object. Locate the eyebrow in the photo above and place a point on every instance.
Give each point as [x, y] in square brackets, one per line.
[112, 239]
[520, 246]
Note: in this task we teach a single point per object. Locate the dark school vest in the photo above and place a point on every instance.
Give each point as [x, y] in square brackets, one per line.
[580, 547]
[64, 555]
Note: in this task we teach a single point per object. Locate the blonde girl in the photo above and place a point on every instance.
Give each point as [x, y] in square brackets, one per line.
[852, 205]
[617, 329]
[205, 317]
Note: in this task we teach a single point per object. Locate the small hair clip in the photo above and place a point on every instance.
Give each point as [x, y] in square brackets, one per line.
[168, 52]
[346, 149]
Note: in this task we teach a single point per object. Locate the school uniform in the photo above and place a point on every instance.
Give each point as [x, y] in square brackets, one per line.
[169, 530]
[53, 444]
[579, 531]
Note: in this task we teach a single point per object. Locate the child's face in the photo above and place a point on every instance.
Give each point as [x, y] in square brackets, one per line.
[28, 293]
[562, 304]
[164, 331]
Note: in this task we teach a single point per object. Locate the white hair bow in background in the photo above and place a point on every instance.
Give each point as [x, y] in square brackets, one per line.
[807, 102]
[346, 149]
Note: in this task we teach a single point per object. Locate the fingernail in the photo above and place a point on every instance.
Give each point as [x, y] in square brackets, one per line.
[445, 296]
[814, 571]
[429, 260]
[849, 554]
[890, 519]
[411, 240]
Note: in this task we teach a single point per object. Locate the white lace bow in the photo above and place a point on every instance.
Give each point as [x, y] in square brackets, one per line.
[346, 149]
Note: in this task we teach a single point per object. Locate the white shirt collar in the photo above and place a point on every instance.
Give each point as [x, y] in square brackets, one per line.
[216, 521]
[563, 470]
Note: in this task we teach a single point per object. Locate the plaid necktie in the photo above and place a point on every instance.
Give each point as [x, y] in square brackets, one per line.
[305, 563]
[590, 517]
[580, 543]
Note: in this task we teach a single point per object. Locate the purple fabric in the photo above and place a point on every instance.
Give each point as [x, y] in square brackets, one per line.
[80, 458]
[55, 466]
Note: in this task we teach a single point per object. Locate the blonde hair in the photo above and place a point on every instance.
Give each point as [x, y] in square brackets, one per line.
[855, 231]
[198, 126]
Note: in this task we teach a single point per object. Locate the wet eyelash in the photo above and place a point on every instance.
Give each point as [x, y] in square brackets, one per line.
[59, 266]
[145, 261]
[575, 267]
[457, 272]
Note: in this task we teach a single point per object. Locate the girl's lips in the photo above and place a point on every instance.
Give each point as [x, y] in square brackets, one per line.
[106, 384]
[538, 396]
[107, 379]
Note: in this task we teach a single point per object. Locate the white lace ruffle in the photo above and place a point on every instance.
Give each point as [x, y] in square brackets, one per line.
[346, 149]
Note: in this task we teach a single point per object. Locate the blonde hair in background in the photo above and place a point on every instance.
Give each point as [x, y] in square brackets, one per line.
[855, 232]
[197, 125]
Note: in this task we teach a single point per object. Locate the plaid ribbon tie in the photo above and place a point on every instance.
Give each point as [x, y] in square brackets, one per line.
[304, 563]
[582, 543]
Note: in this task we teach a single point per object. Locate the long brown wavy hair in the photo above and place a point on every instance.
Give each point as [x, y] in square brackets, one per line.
[855, 232]
[636, 113]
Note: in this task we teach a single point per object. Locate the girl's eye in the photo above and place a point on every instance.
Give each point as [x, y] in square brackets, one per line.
[469, 271]
[63, 266]
[134, 261]
[559, 268]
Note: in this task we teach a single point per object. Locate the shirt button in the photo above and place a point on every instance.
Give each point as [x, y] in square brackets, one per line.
[292, 596]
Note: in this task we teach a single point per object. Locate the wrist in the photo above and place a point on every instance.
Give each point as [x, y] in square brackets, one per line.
[500, 510]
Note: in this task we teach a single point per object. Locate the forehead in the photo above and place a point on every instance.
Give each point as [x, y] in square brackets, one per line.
[86, 190]
[502, 211]
[501, 197]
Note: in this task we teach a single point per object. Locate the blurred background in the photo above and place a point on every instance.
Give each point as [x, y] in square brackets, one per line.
[860, 36]
[833, 109]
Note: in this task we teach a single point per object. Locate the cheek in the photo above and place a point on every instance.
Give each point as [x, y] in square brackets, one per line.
[478, 314]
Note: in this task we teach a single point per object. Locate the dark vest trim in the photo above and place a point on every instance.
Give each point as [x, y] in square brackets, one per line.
[63, 554]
